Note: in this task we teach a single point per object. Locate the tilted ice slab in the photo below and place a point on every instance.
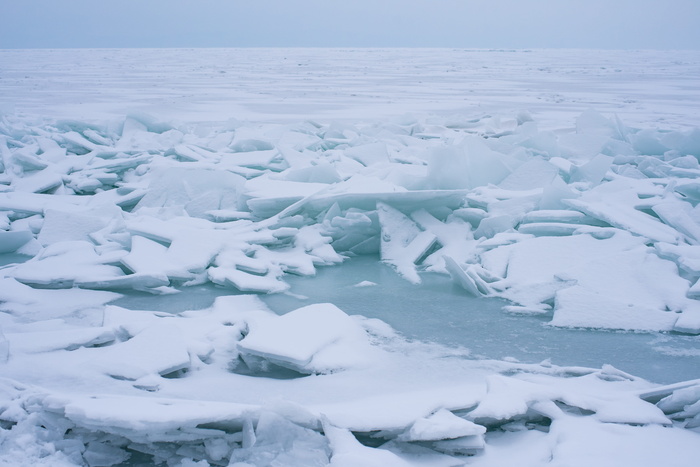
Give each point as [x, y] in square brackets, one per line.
[617, 282]
[311, 339]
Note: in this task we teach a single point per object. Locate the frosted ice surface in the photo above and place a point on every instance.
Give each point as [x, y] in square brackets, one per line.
[591, 280]
[618, 203]
[281, 442]
[69, 339]
[468, 165]
[79, 223]
[64, 264]
[535, 173]
[443, 424]
[158, 349]
[679, 215]
[11, 241]
[347, 451]
[195, 191]
[37, 304]
[402, 242]
[247, 282]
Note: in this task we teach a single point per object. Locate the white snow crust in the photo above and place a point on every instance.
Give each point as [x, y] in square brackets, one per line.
[512, 182]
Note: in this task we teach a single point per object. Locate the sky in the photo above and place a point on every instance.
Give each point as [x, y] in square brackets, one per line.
[609, 24]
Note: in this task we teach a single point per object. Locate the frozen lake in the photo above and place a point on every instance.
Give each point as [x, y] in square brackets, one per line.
[175, 226]
[645, 88]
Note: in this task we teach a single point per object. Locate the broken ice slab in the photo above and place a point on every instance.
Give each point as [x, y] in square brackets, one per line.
[119, 164]
[63, 339]
[347, 451]
[146, 255]
[131, 322]
[689, 320]
[454, 236]
[313, 339]
[25, 159]
[226, 215]
[658, 393]
[125, 196]
[441, 425]
[687, 257]
[469, 164]
[62, 264]
[362, 193]
[467, 445]
[534, 173]
[553, 196]
[593, 171]
[471, 215]
[467, 279]
[556, 222]
[39, 304]
[262, 159]
[403, 243]
[289, 260]
[612, 275]
[36, 203]
[11, 241]
[316, 241]
[560, 216]
[137, 281]
[580, 307]
[83, 184]
[681, 403]
[148, 419]
[679, 215]
[541, 229]
[188, 255]
[194, 190]
[38, 182]
[189, 153]
[490, 226]
[407, 201]
[158, 349]
[80, 143]
[369, 154]
[269, 187]
[246, 282]
[77, 223]
[618, 202]
[278, 441]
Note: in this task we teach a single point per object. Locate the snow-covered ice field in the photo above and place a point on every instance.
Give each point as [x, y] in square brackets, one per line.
[349, 257]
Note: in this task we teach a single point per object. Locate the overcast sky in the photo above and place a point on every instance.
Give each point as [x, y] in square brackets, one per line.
[624, 24]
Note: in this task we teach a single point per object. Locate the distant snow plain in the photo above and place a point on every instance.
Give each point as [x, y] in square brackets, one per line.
[563, 181]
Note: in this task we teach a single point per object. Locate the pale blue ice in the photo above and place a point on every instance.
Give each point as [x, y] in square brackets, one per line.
[440, 312]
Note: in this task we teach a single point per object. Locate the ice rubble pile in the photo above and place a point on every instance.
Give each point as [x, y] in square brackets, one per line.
[597, 226]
